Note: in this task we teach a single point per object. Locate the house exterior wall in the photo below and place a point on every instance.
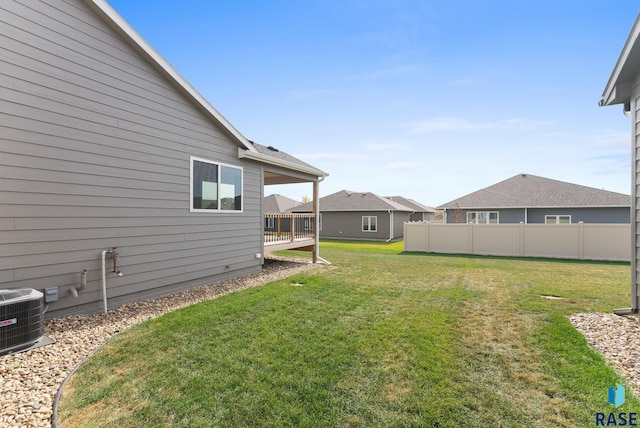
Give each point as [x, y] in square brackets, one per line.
[94, 154]
[506, 215]
[635, 171]
[421, 216]
[605, 215]
[348, 225]
[608, 215]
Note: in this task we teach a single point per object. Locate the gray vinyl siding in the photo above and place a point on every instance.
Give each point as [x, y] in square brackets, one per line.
[399, 219]
[635, 170]
[506, 216]
[421, 216]
[608, 215]
[348, 225]
[94, 154]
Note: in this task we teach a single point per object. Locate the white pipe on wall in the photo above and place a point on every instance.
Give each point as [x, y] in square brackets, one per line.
[104, 280]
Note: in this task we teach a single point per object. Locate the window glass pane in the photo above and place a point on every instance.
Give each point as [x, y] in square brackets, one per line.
[564, 219]
[471, 217]
[215, 187]
[550, 219]
[482, 218]
[230, 188]
[373, 224]
[493, 217]
[205, 185]
[365, 223]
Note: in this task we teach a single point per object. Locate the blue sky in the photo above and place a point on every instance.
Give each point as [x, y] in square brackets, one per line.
[428, 99]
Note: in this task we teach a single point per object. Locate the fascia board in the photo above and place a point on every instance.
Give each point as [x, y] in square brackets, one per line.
[617, 92]
[127, 30]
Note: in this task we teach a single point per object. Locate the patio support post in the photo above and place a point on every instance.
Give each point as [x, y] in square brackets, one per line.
[316, 219]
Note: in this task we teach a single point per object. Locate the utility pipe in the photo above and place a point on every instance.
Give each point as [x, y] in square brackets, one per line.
[104, 279]
[83, 283]
[390, 226]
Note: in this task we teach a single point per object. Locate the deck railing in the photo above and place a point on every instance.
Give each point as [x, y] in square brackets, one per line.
[288, 227]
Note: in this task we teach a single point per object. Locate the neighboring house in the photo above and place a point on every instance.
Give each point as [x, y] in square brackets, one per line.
[106, 150]
[527, 198]
[273, 206]
[623, 88]
[278, 204]
[420, 212]
[354, 215]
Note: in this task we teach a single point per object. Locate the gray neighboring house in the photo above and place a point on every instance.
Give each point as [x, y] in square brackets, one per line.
[527, 198]
[278, 204]
[105, 149]
[355, 215]
[272, 206]
[623, 87]
[420, 212]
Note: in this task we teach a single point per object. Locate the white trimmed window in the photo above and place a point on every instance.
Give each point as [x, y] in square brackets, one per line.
[483, 217]
[270, 223]
[369, 223]
[557, 219]
[215, 187]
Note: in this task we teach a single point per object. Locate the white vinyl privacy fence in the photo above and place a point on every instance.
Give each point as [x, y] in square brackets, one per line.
[567, 241]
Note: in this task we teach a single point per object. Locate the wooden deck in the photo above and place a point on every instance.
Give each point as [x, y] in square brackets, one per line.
[289, 231]
[303, 244]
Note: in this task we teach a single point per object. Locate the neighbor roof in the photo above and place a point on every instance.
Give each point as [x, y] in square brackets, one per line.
[410, 203]
[346, 200]
[526, 190]
[278, 204]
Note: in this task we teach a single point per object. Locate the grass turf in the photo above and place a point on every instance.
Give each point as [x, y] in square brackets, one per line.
[381, 338]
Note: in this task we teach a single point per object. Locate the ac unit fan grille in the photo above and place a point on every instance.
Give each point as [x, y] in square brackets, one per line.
[21, 323]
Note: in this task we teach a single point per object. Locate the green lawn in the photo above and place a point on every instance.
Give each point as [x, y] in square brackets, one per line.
[380, 338]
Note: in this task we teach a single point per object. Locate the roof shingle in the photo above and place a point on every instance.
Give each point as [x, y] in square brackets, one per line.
[526, 190]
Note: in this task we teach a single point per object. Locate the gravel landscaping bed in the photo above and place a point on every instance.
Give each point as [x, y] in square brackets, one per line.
[30, 380]
[617, 338]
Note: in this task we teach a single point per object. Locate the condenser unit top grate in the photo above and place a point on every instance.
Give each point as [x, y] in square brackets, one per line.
[18, 295]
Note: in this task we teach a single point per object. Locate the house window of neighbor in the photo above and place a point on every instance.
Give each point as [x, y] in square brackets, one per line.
[369, 223]
[215, 187]
[557, 219]
[270, 223]
[482, 217]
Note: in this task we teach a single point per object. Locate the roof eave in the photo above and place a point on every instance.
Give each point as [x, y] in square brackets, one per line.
[138, 41]
[617, 90]
[257, 156]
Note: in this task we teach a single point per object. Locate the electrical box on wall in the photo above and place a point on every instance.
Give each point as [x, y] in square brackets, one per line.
[50, 294]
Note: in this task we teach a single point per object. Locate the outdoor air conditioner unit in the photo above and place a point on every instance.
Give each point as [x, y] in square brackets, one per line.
[21, 319]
